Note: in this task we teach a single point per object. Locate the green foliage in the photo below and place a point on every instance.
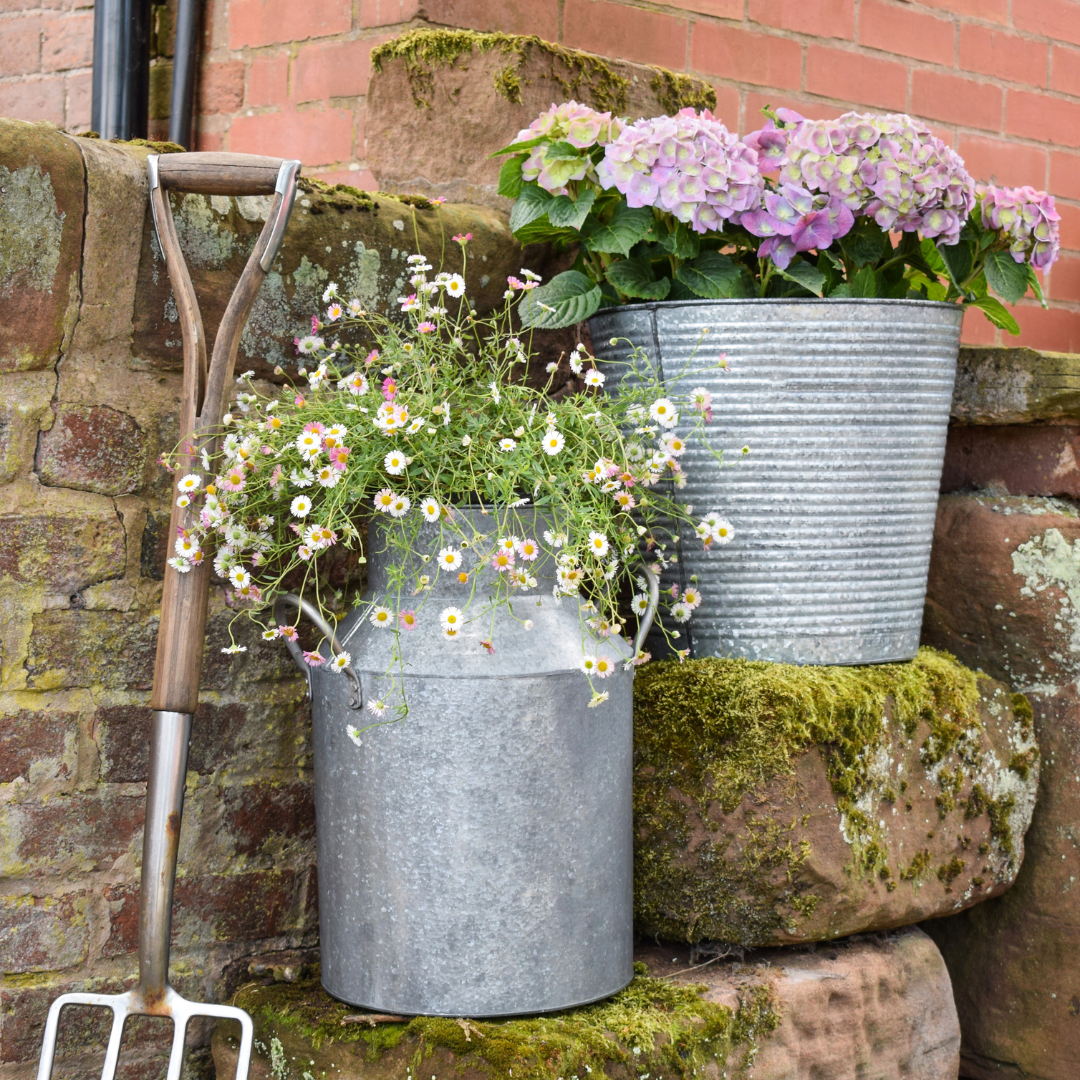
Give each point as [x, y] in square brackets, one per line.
[710, 275]
[635, 279]
[566, 299]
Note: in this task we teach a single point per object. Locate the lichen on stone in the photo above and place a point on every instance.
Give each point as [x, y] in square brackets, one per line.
[652, 1027]
[31, 227]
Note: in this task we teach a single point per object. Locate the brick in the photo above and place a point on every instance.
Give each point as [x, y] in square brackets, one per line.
[25, 1009]
[956, 100]
[1003, 162]
[822, 18]
[68, 42]
[1069, 226]
[627, 32]
[540, 17]
[20, 46]
[1065, 278]
[43, 933]
[63, 550]
[896, 29]
[270, 22]
[77, 93]
[209, 141]
[720, 9]
[1006, 56]
[754, 58]
[92, 448]
[1064, 174]
[1058, 20]
[852, 77]
[260, 817]
[221, 87]
[38, 744]
[1065, 71]
[978, 329]
[1042, 118]
[36, 99]
[268, 80]
[728, 105]
[987, 10]
[317, 137]
[74, 647]
[364, 179]
[69, 833]
[123, 736]
[235, 907]
[753, 117]
[1057, 330]
[333, 69]
[387, 12]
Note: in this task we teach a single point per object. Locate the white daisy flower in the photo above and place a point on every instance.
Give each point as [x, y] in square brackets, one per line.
[377, 708]
[588, 665]
[329, 292]
[640, 604]
[506, 445]
[183, 501]
[186, 546]
[416, 425]
[527, 549]
[384, 500]
[508, 543]
[239, 577]
[604, 666]
[232, 649]
[449, 558]
[302, 478]
[673, 446]
[301, 506]
[328, 476]
[719, 528]
[681, 612]
[400, 506]
[575, 362]
[181, 566]
[455, 285]
[556, 540]
[353, 733]
[340, 662]
[381, 616]
[598, 699]
[664, 412]
[598, 544]
[394, 463]
[334, 312]
[553, 442]
[355, 383]
[429, 507]
[309, 443]
[594, 377]
[191, 482]
[450, 617]
[692, 597]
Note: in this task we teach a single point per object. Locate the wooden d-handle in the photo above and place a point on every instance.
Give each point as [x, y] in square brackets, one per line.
[219, 174]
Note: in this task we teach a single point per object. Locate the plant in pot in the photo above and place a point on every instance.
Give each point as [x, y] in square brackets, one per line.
[474, 828]
[831, 263]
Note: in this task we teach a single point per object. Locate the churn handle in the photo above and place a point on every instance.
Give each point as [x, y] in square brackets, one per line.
[281, 605]
[653, 582]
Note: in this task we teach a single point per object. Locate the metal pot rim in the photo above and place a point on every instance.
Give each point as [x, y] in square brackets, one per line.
[654, 305]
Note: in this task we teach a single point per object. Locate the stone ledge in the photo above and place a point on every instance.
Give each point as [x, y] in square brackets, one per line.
[1000, 384]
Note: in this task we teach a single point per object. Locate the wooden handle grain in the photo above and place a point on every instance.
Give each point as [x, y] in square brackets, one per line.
[219, 174]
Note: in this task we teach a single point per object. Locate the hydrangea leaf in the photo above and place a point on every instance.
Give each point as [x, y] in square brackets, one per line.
[957, 259]
[1006, 276]
[628, 226]
[805, 274]
[566, 299]
[532, 203]
[710, 275]
[864, 283]
[680, 242]
[865, 243]
[635, 278]
[997, 313]
[562, 151]
[565, 213]
[510, 181]
[517, 147]
[1035, 284]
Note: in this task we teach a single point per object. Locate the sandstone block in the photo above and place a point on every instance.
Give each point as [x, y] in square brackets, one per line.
[998, 384]
[73, 647]
[1015, 459]
[24, 409]
[441, 101]
[43, 933]
[41, 233]
[778, 804]
[877, 1007]
[94, 448]
[39, 745]
[269, 820]
[1004, 595]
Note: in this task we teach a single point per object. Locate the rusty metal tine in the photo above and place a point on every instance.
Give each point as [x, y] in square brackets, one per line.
[112, 1054]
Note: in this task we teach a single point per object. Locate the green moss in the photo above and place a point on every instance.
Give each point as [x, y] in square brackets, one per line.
[340, 197]
[917, 868]
[1022, 710]
[1022, 763]
[718, 730]
[951, 870]
[508, 84]
[654, 1026]
[675, 92]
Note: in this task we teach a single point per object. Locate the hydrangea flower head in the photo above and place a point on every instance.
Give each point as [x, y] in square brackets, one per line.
[573, 123]
[1027, 217]
[688, 164]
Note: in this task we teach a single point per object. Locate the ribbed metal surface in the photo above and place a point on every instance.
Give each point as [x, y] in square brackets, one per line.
[845, 406]
[475, 859]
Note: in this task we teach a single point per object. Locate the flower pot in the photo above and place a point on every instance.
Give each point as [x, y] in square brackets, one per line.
[475, 858]
[844, 405]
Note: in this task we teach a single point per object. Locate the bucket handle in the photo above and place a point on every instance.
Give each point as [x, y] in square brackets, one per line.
[281, 612]
[653, 583]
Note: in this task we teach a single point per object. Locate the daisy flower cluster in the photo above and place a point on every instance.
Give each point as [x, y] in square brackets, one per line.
[398, 419]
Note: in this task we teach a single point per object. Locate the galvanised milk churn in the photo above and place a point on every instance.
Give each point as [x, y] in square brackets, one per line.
[475, 857]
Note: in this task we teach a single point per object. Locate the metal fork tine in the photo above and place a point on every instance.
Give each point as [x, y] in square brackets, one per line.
[112, 1054]
[48, 1046]
[176, 1054]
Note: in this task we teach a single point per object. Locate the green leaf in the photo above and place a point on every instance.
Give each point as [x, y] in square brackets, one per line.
[565, 213]
[517, 147]
[510, 181]
[541, 231]
[932, 289]
[865, 243]
[710, 275]
[627, 226]
[842, 290]
[1034, 284]
[864, 283]
[532, 203]
[562, 151]
[806, 275]
[1005, 276]
[997, 313]
[566, 299]
[635, 278]
[680, 242]
[957, 259]
[932, 257]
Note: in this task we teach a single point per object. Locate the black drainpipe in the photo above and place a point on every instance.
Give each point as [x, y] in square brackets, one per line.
[120, 102]
[185, 56]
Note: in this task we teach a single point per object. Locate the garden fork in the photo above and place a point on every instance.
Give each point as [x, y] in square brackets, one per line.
[184, 597]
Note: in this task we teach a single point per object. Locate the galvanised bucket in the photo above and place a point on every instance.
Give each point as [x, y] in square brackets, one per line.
[844, 405]
[475, 859]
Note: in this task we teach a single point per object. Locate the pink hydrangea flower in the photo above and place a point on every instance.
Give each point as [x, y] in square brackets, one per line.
[1028, 218]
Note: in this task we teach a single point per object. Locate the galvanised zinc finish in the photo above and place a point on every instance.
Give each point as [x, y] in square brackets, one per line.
[844, 405]
[476, 858]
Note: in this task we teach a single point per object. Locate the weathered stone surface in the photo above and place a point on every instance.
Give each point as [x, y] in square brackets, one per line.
[75, 647]
[1004, 594]
[998, 384]
[776, 804]
[41, 229]
[24, 410]
[94, 448]
[873, 1007]
[441, 101]
[38, 745]
[43, 933]
[1016, 459]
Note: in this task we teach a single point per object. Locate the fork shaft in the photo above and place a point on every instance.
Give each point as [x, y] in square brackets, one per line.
[164, 807]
